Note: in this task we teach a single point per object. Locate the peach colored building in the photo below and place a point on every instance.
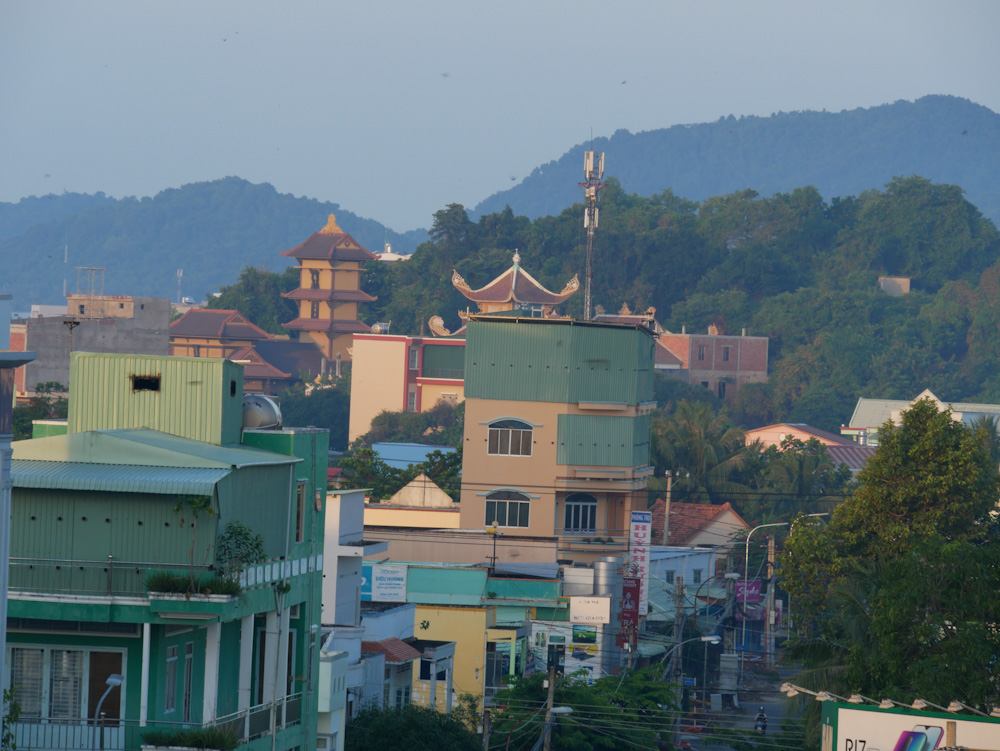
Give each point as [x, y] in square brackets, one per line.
[403, 374]
[557, 429]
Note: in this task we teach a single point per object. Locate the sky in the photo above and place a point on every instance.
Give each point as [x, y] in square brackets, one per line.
[395, 109]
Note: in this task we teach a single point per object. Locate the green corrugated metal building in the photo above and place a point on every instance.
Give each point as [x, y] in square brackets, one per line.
[101, 508]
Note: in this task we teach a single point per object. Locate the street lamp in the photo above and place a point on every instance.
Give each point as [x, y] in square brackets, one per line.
[493, 531]
[545, 741]
[746, 574]
[113, 681]
[713, 639]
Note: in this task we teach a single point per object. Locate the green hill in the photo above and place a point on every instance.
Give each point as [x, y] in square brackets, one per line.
[942, 138]
[211, 230]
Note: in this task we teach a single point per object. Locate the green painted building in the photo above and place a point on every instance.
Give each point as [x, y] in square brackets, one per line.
[156, 485]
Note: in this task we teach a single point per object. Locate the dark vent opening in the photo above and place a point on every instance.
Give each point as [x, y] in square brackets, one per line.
[232, 388]
[146, 383]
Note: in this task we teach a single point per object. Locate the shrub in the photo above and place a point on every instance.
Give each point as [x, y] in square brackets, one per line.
[204, 738]
[173, 582]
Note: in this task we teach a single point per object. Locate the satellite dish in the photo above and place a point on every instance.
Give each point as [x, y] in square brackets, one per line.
[260, 412]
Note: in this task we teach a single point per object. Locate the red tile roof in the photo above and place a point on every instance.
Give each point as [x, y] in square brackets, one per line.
[325, 324]
[331, 244]
[395, 650]
[212, 324]
[256, 367]
[688, 520]
[337, 295]
[664, 358]
[515, 285]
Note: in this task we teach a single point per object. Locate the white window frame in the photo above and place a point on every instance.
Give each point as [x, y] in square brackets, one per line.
[45, 678]
[578, 505]
[512, 500]
[170, 680]
[503, 435]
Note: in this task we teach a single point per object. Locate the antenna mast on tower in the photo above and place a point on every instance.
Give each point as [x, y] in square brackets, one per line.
[593, 173]
[180, 275]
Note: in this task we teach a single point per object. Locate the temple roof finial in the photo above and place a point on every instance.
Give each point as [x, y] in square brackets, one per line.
[517, 257]
[331, 227]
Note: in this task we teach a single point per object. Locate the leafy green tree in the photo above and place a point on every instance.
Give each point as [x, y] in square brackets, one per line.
[410, 727]
[11, 714]
[612, 713]
[326, 405]
[194, 506]
[46, 404]
[893, 596]
[703, 449]
[257, 295]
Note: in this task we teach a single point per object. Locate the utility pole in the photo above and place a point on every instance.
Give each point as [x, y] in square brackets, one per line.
[487, 728]
[679, 657]
[593, 173]
[547, 745]
[769, 615]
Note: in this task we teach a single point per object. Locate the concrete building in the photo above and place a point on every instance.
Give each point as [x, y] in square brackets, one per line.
[148, 490]
[557, 429]
[89, 323]
[403, 374]
[721, 363]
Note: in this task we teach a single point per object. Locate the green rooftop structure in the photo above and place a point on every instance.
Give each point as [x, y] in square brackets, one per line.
[156, 487]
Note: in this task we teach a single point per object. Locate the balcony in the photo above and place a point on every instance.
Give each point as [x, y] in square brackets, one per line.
[51, 734]
[108, 578]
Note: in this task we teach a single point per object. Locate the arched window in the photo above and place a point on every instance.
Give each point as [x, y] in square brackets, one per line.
[581, 513]
[509, 438]
[507, 508]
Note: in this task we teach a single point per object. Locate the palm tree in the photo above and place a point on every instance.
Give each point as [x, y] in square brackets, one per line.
[704, 450]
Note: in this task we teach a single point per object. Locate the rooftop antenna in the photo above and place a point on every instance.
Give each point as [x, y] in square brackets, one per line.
[180, 275]
[593, 173]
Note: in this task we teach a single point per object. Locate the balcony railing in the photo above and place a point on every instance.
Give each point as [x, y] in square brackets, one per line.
[453, 373]
[50, 734]
[108, 578]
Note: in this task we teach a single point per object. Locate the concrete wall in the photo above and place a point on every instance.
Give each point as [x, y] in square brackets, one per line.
[378, 379]
[146, 332]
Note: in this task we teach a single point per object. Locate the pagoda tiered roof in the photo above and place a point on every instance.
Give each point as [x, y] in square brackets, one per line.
[330, 244]
[336, 295]
[515, 285]
[220, 324]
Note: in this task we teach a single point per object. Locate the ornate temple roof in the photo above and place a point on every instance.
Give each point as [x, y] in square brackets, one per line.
[515, 285]
[212, 323]
[330, 244]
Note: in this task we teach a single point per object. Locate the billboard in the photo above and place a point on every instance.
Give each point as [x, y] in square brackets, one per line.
[851, 727]
[383, 583]
[589, 609]
[640, 532]
[628, 617]
[575, 648]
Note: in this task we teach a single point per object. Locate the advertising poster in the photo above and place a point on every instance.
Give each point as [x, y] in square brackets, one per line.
[747, 591]
[629, 616]
[590, 609]
[640, 533]
[383, 583]
[848, 727]
[582, 646]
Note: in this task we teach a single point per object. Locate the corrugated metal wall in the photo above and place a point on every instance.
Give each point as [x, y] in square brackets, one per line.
[603, 441]
[85, 526]
[443, 361]
[197, 398]
[550, 362]
[258, 497]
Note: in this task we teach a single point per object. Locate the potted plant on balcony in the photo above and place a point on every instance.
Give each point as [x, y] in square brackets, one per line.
[191, 738]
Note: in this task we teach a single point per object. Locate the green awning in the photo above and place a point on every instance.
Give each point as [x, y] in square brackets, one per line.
[115, 478]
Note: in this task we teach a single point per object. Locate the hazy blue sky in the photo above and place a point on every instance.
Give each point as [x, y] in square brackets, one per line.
[394, 109]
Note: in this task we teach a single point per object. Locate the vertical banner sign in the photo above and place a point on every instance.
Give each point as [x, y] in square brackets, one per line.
[639, 538]
[629, 615]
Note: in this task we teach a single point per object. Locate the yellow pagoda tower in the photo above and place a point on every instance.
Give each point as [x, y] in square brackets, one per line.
[329, 291]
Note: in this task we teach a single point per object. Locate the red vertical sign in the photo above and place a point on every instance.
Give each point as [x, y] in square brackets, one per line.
[629, 618]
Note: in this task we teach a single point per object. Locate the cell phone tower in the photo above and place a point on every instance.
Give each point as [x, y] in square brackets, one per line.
[593, 173]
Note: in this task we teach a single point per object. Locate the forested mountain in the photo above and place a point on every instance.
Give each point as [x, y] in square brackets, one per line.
[793, 267]
[211, 230]
[943, 138]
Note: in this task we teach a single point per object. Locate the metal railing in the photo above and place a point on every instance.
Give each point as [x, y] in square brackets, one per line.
[454, 373]
[108, 578]
[54, 734]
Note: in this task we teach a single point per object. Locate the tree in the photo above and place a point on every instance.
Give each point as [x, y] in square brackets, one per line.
[46, 404]
[196, 505]
[257, 295]
[898, 594]
[703, 449]
[326, 405]
[411, 727]
[612, 713]
[11, 713]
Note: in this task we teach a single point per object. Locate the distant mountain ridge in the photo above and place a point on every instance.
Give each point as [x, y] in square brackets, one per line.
[943, 138]
[211, 230]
